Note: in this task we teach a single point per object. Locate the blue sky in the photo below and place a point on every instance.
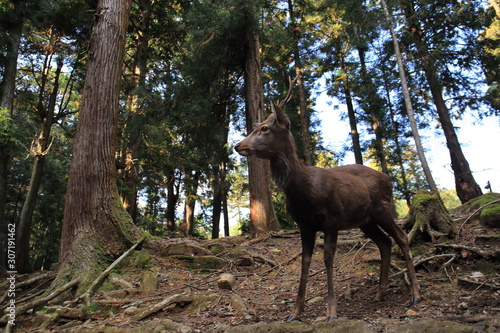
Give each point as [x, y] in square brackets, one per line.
[480, 141]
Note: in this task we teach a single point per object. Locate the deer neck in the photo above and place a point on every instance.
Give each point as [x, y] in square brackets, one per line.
[288, 171]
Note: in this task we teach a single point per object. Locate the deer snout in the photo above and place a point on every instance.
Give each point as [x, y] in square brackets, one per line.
[241, 150]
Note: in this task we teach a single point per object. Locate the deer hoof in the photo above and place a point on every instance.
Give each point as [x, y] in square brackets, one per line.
[292, 319]
[374, 300]
[329, 319]
[415, 300]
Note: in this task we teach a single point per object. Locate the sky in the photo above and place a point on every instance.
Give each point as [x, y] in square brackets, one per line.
[480, 142]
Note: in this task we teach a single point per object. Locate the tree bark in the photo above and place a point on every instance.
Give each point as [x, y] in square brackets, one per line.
[358, 156]
[465, 184]
[262, 215]
[373, 104]
[172, 199]
[303, 113]
[191, 187]
[133, 136]
[7, 101]
[96, 229]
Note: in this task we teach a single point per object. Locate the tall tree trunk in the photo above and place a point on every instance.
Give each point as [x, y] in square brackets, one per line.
[373, 104]
[217, 201]
[465, 184]
[408, 104]
[40, 149]
[96, 228]
[133, 136]
[262, 214]
[8, 85]
[172, 198]
[303, 113]
[358, 156]
[191, 187]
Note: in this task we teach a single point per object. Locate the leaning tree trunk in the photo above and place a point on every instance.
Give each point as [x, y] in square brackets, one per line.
[262, 215]
[465, 184]
[96, 229]
[407, 100]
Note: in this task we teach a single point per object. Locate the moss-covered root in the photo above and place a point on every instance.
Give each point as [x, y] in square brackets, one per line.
[429, 219]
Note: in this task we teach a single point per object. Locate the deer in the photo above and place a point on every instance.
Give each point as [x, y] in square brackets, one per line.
[329, 200]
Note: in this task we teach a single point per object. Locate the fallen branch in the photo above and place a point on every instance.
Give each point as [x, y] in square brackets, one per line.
[92, 288]
[178, 298]
[479, 283]
[476, 250]
[421, 261]
[24, 308]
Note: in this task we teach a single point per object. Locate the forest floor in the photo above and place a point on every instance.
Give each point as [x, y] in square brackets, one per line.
[459, 278]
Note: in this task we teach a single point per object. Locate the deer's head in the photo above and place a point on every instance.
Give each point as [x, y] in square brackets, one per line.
[268, 138]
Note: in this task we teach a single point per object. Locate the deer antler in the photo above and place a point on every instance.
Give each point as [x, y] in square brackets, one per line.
[291, 83]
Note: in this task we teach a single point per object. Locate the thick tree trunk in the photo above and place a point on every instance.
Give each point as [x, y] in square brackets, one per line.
[466, 186]
[96, 228]
[7, 101]
[133, 137]
[262, 214]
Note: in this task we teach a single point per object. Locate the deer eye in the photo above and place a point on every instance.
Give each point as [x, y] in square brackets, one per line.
[264, 129]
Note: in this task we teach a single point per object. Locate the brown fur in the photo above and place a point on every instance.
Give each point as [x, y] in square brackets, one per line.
[329, 200]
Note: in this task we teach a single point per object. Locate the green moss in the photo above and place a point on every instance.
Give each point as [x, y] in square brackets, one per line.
[91, 308]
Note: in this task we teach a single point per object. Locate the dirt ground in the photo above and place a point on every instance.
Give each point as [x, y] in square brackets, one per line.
[459, 278]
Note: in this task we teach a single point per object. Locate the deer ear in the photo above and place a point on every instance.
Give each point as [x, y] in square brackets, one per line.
[280, 116]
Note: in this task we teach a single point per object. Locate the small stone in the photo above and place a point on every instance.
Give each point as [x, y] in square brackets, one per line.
[130, 311]
[226, 281]
[411, 313]
[463, 306]
[316, 300]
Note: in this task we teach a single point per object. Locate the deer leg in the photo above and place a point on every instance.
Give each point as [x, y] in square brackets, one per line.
[329, 253]
[384, 245]
[395, 231]
[308, 239]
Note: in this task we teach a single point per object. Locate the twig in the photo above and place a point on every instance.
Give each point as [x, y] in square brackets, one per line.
[425, 260]
[24, 308]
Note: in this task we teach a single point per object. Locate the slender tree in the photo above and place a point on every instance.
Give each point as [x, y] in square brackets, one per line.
[407, 99]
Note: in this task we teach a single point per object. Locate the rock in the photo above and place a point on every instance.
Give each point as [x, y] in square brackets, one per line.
[316, 300]
[411, 313]
[130, 311]
[149, 280]
[226, 281]
[240, 309]
[245, 261]
[463, 306]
